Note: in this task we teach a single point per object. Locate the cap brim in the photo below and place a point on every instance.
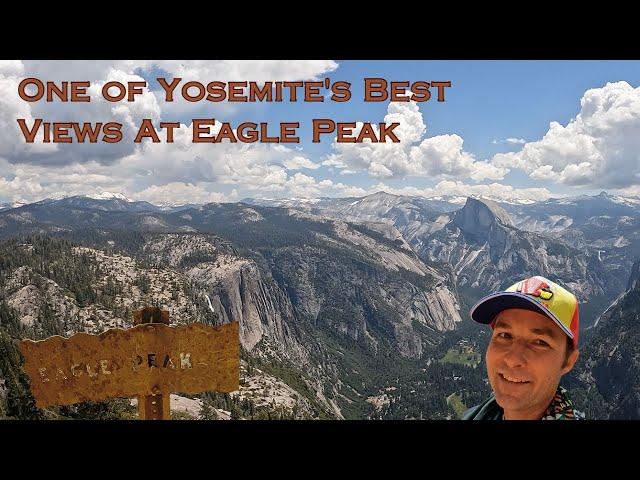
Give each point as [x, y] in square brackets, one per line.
[487, 308]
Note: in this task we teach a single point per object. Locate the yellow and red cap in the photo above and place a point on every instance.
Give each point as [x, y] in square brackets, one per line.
[538, 294]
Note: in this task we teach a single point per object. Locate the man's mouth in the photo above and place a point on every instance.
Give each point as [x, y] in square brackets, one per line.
[511, 379]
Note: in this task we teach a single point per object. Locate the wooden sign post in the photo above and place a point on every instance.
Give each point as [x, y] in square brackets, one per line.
[157, 405]
[148, 361]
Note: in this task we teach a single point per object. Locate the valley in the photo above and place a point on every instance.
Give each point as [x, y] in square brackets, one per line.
[348, 308]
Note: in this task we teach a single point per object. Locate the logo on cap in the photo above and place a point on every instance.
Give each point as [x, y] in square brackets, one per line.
[536, 287]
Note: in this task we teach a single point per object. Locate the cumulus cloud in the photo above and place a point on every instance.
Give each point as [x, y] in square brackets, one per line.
[441, 156]
[511, 140]
[20, 190]
[27, 182]
[303, 186]
[206, 71]
[178, 193]
[250, 70]
[599, 148]
[633, 191]
[255, 165]
[12, 108]
[130, 114]
[34, 171]
[298, 162]
[193, 172]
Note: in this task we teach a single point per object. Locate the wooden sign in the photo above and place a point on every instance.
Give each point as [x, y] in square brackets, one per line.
[148, 360]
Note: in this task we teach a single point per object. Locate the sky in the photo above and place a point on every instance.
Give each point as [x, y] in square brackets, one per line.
[511, 130]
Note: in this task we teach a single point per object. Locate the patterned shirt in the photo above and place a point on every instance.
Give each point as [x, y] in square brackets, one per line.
[561, 408]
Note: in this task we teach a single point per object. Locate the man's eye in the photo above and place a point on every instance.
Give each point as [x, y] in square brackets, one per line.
[541, 343]
[504, 335]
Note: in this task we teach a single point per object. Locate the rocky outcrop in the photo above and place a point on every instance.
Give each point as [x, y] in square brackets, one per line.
[634, 278]
[487, 253]
[238, 293]
[28, 294]
[480, 217]
[370, 294]
[609, 369]
[437, 308]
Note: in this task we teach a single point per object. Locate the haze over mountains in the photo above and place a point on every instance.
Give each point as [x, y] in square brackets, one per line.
[351, 303]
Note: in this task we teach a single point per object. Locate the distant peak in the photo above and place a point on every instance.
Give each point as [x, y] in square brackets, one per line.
[478, 214]
[107, 196]
[381, 194]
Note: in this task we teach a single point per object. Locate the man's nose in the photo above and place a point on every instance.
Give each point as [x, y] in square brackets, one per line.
[515, 356]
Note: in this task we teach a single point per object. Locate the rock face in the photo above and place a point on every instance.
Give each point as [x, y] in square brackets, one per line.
[238, 293]
[634, 279]
[482, 248]
[234, 289]
[367, 289]
[610, 366]
[487, 253]
[437, 308]
[265, 390]
[481, 217]
[608, 223]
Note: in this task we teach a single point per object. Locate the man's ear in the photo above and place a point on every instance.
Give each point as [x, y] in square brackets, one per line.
[570, 361]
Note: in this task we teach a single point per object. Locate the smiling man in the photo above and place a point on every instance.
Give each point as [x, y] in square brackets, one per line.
[534, 343]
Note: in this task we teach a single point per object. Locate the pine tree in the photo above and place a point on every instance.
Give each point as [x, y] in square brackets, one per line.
[207, 412]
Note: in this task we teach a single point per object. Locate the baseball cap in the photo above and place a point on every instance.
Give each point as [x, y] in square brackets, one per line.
[538, 294]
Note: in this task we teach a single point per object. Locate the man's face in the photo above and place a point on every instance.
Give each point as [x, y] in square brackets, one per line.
[525, 359]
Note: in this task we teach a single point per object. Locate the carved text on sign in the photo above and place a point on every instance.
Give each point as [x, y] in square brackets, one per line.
[107, 366]
[139, 361]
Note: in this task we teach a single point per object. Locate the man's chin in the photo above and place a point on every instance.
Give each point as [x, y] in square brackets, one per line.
[513, 397]
[509, 401]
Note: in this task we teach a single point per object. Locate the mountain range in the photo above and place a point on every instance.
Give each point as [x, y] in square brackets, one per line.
[358, 306]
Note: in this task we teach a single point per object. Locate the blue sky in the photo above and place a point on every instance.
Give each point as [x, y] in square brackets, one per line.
[461, 143]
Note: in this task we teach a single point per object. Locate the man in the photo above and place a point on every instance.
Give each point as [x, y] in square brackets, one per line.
[534, 342]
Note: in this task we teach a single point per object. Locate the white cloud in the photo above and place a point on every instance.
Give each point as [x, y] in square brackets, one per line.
[11, 68]
[441, 156]
[34, 171]
[178, 193]
[511, 140]
[298, 162]
[250, 166]
[13, 147]
[19, 189]
[12, 142]
[250, 70]
[12, 108]
[34, 182]
[599, 148]
[205, 71]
